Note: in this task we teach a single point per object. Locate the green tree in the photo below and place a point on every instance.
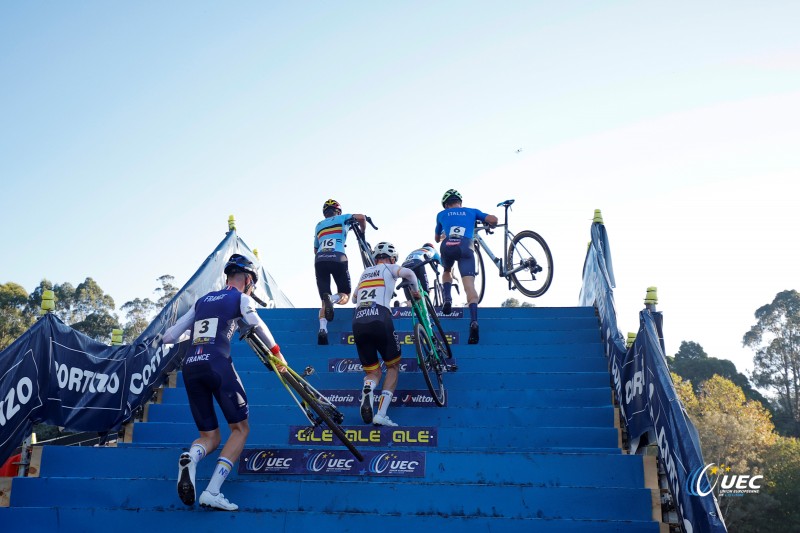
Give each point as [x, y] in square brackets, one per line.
[513, 302]
[735, 432]
[137, 314]
[15, 317]
[775, 338]
[782, 475]
[692, 362]
[166, 292]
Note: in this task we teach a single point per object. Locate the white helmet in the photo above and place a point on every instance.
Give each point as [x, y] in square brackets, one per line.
[385, 248]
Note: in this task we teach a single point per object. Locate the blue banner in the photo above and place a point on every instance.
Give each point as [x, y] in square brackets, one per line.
[648, 402]
[395, 463]
[56, 375]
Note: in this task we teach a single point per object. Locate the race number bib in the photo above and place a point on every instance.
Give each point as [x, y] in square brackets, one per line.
[457, 232]
[326, 245]
[204, 330]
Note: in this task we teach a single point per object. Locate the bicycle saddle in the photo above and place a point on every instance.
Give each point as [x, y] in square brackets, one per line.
[507, 203]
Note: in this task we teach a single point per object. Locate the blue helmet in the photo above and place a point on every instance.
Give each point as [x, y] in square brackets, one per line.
[239, 263]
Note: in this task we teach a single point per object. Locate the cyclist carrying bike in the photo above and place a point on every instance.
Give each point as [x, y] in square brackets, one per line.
[415, 259]
[373, 330]
[455, 228]
[331, 261]
[208, 373]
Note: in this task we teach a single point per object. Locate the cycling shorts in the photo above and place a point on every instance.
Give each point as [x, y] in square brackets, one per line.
[337, 269]
[214, 378]
[373, 332]
[458, 250]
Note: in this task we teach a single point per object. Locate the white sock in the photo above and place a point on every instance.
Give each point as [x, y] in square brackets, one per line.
[385, 402]
[323, 324]
[370, 383]
[221, 472]
[197, 452]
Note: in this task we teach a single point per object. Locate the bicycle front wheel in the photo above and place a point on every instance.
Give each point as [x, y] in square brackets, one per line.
[529, 253]
[480, 272]
[325, 412]
[430, 367]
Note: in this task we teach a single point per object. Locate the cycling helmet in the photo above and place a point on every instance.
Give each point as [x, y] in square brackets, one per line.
[385, 248]
[329, 204]
[239, 263]
[451, 194]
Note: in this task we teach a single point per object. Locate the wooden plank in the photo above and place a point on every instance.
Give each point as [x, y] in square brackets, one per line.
[650, 464]
[5, 491]
[655, 498]
[128, 432]
[36, 462]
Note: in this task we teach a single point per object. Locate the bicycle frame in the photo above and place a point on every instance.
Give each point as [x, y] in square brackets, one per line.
[363, 246]
[508, 236]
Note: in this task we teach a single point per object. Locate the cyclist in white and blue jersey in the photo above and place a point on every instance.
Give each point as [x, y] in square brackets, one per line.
[415, 259]
[455, 228]
[208, 374]
[331, 262]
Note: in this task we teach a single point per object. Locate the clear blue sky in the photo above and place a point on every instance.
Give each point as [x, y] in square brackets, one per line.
[130, 131]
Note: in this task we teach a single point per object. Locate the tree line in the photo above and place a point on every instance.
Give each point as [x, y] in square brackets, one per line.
[85, 308]
[743, 431]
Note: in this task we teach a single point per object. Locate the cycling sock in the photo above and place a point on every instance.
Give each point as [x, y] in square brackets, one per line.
[385, 401]
[369, 383]
[323, 324]
[335, 298]
[223, 468]
[473, 312]
[197, 452]
[447, 286]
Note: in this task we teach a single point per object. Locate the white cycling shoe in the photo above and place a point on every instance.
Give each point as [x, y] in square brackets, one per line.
[186, 473]
[217, 501]
[383, 420]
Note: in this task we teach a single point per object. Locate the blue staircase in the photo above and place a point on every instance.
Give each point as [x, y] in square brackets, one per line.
[528, 441]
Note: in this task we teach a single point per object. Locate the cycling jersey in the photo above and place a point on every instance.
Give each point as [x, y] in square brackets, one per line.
[420, 255]
[458, 222]
[330, 236]
[376, 284]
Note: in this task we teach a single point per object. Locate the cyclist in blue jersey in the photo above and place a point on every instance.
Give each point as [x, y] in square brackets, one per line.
[331, 261]
[455, 228]
[208, 374]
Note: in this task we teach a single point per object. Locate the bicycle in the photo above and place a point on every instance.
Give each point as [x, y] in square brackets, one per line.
[314, 405]
[436, 289]
[429, 340]
[527, 257]
[363, 246]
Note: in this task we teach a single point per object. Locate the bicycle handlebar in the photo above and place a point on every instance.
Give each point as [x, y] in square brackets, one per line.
[352, 221]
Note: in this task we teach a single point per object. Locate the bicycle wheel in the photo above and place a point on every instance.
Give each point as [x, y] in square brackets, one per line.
[439, 338]
[428, 364]
[480, 272]
[325, 412]
[529, 250]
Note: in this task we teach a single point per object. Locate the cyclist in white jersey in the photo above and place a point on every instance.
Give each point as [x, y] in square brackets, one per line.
[373, 329]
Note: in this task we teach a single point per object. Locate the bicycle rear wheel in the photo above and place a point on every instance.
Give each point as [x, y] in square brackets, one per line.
[439, 338]
[529, 250]
[480, 272]
[325, 412]
[436, 290]
[429, 364]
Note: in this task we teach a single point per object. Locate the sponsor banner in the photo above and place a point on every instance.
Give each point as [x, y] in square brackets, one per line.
[403, 337]
[55, 375]
[647, 397]
[395, 463]
[405, 312]
[414, 436]
[352, 364]
[401, 398]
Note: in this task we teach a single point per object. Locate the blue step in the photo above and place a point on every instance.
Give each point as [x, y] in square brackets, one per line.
[469, 398]
[338, 496]
[49, 519]
[526, 468]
